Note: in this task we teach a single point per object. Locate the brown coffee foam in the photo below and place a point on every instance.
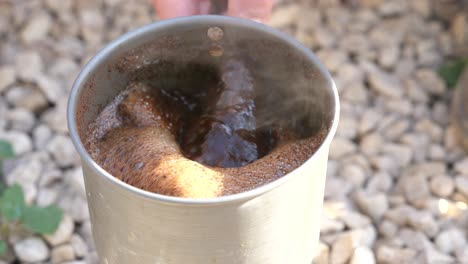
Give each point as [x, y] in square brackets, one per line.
[142, 151]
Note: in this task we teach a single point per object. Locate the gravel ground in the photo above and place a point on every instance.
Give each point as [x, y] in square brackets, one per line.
[397, 186]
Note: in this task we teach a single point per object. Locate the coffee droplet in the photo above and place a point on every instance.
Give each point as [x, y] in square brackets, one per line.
[215, 33]
[216, 51]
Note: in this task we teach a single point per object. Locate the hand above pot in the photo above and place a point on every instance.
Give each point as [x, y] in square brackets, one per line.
[258, 10]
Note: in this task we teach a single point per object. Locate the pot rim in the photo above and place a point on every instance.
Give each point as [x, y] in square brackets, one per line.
[93, 64]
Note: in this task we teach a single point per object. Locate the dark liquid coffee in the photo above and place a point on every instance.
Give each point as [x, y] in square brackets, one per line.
[192, 132]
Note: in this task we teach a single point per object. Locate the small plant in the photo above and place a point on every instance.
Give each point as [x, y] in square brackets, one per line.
[452, 71]
[15, 216]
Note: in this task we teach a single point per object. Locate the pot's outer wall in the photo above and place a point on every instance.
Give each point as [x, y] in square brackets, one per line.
[276, 223]
[280, 226]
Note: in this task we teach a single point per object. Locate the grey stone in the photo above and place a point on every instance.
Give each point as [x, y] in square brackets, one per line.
[461, 183]
[389, 56]
[332, 59]
[416, 196]
[76, 206]
[60, 6]
[440, 112]
[62, 253]
[401, 153]
[355, 220]
[354, 174]
[430, 80]
[36, 28]
[423, 221]
[324, 37]
[336, 187]
[415, 91]
[422, 7]
[347, 127]
[413, 239]
[29, 65]
[348, 74]
[341, 147]
[369, 121]
[436, 152]
[21, 141]
[380, 182]
[373, 205]
[74, 179]
[355, 92]
[388, 229]
[395, 129]
[371, 144]
[41, 136]
[56, 117]
[392, 8]
[7, 77]
[283, 17]
[385, 163]
[393, 255]
[46, 196]
[462, 166]
[400, 106]
[428, 127]
[62, 150]
[50, 174]
[92, 258]
[26, 97]
[435, 257]
[31, 249]
[399, 214]
[356, 43]
[462, 255]
[330, 225]
[92, 24]
[427, 54]
[86, 234]
[79, 245]
[21, 119]
[52, 88]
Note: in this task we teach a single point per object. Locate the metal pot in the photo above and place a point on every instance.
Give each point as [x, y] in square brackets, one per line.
[275, 223]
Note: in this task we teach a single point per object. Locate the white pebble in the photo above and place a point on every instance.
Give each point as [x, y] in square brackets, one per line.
[362, 255]
[31, 249]
[442, 185]
[63, 232]
[62, 253]
[450, 240]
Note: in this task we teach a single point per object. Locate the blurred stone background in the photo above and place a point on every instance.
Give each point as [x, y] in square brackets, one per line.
[397, 186]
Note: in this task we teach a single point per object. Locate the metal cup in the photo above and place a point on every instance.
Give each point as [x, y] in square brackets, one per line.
[276, 223]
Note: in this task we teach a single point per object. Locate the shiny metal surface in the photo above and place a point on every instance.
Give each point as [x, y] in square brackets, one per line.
[276, 223]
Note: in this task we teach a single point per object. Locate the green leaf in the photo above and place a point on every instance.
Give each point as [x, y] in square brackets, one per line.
[42, 220]
[6, 150]
[12, 203]
[450, 72]
[3, 247]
